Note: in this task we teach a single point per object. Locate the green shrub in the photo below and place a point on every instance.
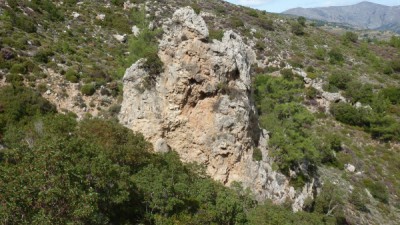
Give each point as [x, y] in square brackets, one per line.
[350, 37]
[72, 76]
[260, 45]
[257, 154]
[43, 55]
[348, 114]
[395, 64]
[22, 22]
[395, 41]
[266, 23]
[310, 69]
[339, 79]
[297, 29]
[216, 34]
[53, 13]
[236, 22]
[19, 68]
[392, 93]
[19, 104]
[378, 190]
[196, 8]
[320, 53]
[358, 92]
[281, 112]
[359, 200]
[88, 89]
[335, 56]
[14, 79]
[302, 21]
[118, 2]
[153, 64]
[287, 74]
[384, 127]
[252, 12]
[311, 93]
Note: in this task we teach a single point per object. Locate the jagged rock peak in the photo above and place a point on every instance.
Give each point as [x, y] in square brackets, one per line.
[193, 25]
[201, 107]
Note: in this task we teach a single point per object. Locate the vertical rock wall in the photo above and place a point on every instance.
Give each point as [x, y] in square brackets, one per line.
[201, 107]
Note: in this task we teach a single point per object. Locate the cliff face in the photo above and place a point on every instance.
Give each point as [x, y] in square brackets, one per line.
[201, 107]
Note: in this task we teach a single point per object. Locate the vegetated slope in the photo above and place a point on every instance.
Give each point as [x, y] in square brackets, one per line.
[352, 148]
[365, 15]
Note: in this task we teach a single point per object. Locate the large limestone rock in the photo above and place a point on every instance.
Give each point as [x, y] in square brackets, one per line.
[201, 107]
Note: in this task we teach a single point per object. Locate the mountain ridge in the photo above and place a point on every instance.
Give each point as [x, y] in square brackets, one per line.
[363, 15]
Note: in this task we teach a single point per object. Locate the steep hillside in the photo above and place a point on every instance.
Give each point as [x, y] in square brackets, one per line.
[364, 15]
[203, 86]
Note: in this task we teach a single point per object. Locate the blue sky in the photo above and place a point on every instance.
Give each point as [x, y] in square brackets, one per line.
[282, 5]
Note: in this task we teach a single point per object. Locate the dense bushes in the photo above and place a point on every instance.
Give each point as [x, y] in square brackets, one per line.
[278, 101]
[297, 29]
[350, 37]
[18, 104]
[392, 93]
[335, 56]
[374, 120]
[395, 41]
[88, 89]
[145, 45]
[72, 76]
[99, 172]
[348, 114]
[22, 22]
[339, 80]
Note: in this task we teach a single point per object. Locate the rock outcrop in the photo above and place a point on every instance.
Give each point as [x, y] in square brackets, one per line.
[201, 107]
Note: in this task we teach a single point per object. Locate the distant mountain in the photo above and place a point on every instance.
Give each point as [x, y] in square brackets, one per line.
[364, 15]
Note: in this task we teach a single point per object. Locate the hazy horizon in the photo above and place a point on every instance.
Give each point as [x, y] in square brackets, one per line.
[279, 6]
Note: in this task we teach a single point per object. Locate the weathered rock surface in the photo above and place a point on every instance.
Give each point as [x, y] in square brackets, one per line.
[201, 107]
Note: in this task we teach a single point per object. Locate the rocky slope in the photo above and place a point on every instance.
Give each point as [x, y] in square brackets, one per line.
[365, 15]
[201, 106]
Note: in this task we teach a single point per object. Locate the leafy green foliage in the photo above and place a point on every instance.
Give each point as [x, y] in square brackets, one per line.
[72, 76]
[22, 22]
[378, 190]
[145, 46]
[320, 53]
[236, 22]
[350, 37]
[18, 69]
[216, 34]
[18, 104]
[270, 214]
[302, 21]
[88, 89]
[266, 23]
[97, 171]
[53, 13]
[297, 29]
[358, 199]
[287, 120]
[395, 64]
[358, 92]
[348, 114]
[335, 56]
[339, 80]
[395, 41]
[43, 55]
[257, 154]
[392, 93]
